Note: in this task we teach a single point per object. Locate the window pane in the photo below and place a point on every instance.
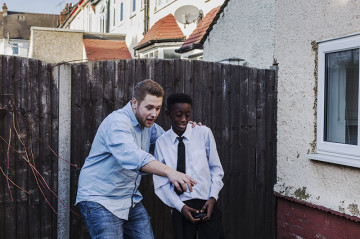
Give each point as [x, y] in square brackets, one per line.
[121, 11]
[341, 97]
[114, 17]
[15, 48]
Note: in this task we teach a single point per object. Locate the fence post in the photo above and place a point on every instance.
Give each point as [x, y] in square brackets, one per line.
[62, 75]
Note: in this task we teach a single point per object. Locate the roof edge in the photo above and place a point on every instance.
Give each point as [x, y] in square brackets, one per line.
[190, 47]
[148, 43]
[214, 21]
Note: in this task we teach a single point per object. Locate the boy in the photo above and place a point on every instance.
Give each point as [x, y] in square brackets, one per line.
[191, 151]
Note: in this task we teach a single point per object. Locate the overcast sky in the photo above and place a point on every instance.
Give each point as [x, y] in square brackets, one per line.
[37, 6]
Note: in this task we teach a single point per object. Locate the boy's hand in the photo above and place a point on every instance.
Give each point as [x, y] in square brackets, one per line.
[208, 206]
[186, 211]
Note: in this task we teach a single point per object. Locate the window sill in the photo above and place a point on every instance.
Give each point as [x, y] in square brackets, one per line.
[336, 159]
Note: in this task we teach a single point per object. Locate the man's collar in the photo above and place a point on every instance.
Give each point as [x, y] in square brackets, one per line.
[129, 110]
[186, 134]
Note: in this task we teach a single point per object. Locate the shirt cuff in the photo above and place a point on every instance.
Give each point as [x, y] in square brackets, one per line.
[214, 195]
[179, 205]
[149, 158]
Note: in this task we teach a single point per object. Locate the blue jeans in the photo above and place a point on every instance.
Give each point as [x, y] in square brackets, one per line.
[101, 223]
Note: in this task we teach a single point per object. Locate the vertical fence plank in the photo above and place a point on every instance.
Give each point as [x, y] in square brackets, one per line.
[216, 106]
[44, 152]
[10, 166]
[4, 115]
[108, 88]
[251, 147]
[261, 170]
[97, 97]
[243, 160]
[121, 84]
[207, 93]
[178, 75]
[22, 222]
[33, 118]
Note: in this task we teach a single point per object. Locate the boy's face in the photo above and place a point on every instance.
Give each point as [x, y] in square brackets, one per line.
[179, 115]
[148, 110]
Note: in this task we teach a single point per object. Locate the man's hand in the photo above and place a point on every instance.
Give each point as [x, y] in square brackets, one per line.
[194, 123]
[180, 180]
[208, 206]
[186, 211]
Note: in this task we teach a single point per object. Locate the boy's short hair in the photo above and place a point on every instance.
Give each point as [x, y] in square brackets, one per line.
[147, 87]
[178, 98]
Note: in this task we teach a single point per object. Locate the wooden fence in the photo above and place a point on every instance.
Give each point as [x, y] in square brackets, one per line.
[28, 130]
[236, 102]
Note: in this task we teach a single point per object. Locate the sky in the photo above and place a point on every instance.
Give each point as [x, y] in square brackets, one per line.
[37, 6]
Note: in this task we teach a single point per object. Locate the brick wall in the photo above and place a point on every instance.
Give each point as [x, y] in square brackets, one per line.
[295, 220]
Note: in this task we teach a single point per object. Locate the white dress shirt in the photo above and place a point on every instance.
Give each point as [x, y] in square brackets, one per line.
[202, 164]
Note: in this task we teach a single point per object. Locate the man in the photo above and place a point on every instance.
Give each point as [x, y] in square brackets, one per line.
[107, 196]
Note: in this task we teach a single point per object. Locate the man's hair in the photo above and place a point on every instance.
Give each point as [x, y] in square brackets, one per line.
[178, 98]
[147, 87]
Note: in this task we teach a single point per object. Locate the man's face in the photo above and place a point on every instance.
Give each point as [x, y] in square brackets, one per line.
[179, 115]
[148, 110]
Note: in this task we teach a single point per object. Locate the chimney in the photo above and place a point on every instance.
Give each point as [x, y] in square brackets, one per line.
[62, 17]
[4, 8]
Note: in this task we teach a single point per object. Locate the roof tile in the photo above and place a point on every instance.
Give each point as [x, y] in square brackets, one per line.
[164, 29]
[99, 50]
[200, 30]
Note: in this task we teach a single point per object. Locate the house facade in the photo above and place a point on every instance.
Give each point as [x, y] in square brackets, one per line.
[134, 18]
[15, 30]
[315, 47]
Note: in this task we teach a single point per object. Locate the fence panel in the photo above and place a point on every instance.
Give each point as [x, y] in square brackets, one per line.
[29, 136]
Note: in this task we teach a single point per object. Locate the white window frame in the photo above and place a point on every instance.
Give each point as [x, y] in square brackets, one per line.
[162, 5]
[344, 154]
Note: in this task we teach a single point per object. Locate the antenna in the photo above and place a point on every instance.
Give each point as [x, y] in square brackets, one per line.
[186, 14]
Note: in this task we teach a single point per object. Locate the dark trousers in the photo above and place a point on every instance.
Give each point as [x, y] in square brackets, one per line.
[185, 229]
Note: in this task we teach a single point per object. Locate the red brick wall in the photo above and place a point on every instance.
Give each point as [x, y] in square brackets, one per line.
[295, 220]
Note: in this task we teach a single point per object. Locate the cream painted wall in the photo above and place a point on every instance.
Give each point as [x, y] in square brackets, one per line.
[285, 32]
[297, 26]
[245, 30]
[55, 45]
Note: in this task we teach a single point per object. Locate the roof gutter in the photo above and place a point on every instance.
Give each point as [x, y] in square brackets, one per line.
[148, 43]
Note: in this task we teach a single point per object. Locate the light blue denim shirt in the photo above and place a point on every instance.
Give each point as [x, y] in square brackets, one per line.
[111, 173]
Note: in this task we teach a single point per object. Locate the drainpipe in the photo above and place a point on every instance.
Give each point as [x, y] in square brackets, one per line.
[107, 16]
[146, 16]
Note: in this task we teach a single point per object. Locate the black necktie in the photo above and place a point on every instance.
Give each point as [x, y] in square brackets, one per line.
[181, 160]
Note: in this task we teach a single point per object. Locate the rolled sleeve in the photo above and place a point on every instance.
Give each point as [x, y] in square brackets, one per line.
[122, 146]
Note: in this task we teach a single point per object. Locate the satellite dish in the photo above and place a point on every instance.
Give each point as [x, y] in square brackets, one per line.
[186, 14]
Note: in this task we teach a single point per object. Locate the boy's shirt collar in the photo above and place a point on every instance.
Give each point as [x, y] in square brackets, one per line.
[186, 134]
